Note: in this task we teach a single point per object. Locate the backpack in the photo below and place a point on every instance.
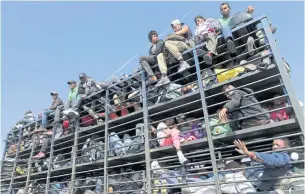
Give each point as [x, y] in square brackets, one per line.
[219, 129]
[92, 151]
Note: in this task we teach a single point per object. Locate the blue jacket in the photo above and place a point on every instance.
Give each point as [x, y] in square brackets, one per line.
[276, 165]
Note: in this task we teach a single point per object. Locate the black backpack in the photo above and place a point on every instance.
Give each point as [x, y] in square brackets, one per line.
[92, 150]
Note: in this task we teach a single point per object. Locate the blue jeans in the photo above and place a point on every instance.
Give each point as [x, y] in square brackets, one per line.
[45, 116]
[226, 31]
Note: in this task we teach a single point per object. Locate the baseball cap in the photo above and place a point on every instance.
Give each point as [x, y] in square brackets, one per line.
[71, 82]
[82, 75]
[52, 93]
[175, 22]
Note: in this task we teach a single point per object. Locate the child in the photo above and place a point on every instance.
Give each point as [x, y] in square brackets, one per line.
[167, 137]
[278, 115]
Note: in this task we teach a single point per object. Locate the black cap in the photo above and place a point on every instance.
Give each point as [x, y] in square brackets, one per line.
[82, 75]
[71, 82]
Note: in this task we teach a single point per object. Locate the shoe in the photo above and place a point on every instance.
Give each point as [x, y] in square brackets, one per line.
[39, 155]
[66, 112]
[183, 65]
[260, 35]
[250, 67]
[208, 59]
[163, 81]
[181, 157]
[231, 46]
[49, 132]
[250, 46]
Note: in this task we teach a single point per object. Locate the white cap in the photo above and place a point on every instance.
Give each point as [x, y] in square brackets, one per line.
[175, 22]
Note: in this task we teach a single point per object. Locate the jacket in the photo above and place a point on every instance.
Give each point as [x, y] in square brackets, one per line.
[57, 102]
[275, 165]
[159, 48]
[71, 97]
[88, 87]
[239, 99]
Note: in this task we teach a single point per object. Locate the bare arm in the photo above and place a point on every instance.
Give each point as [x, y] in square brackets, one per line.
[183, 31]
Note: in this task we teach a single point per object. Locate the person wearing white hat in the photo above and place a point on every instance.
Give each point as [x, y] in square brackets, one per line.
[176, 44]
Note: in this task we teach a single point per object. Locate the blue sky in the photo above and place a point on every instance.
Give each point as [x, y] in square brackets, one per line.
[45, 44]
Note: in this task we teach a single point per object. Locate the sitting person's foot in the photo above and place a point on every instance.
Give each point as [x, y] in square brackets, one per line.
[163, 81]
[250, 46]
[66, 112]
[181, 157]
[183, 65]
[208, 58]
[49, 132]
[39, 155]
[231, 46]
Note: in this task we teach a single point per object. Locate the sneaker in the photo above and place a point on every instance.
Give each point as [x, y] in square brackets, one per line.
[208, 59]
[183, 65]
[66, 112]
[250, 46]
[260, 35]
[231, 46]
[181, 157]
[163, 81]
[250, 67]
[39, 155]
[49, 132]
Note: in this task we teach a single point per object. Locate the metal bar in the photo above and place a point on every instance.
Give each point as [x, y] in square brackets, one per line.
[50, 161]
[146, 136]
[106, 144]
[76, 124]
[207, 123]
[15, 161]
[280, 64]
[29, 167]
